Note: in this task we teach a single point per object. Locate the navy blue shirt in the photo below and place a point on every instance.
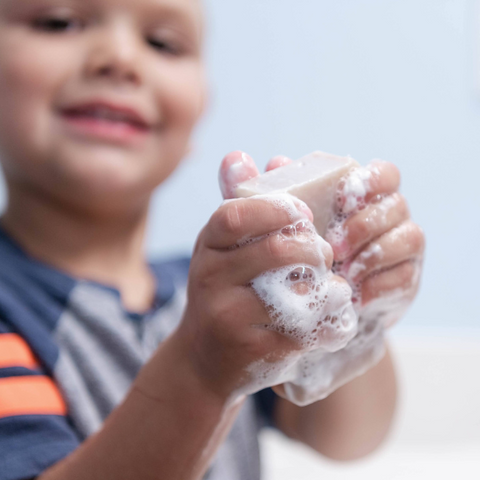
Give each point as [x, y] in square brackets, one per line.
[68, 354]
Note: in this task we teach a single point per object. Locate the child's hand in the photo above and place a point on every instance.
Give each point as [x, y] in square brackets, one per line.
[223, 329]
[377, 247]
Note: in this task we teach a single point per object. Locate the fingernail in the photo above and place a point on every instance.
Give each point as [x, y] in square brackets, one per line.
[236, 167]
[278, 161]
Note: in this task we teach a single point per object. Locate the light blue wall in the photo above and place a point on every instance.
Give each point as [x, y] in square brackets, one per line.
[370, 78]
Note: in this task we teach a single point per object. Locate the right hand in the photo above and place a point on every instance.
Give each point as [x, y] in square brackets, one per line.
[224, 322]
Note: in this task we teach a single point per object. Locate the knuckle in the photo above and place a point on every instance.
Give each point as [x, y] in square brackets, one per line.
[328, 255]
[417, 238]
[229, 219]
[277, 248]
[397, 210]
[394, 171]
[390, 173]
[402, 204]
[386, 176]
[204, 279]
[219, 312]
[358, 230]
[406, 273]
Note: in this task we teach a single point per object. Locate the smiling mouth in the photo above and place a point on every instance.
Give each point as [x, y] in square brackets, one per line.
[106, 123]
[106, 114]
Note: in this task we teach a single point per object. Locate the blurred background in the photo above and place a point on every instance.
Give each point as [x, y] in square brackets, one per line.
[374, 79]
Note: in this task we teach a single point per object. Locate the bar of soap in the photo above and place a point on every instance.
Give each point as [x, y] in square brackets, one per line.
[313, 179]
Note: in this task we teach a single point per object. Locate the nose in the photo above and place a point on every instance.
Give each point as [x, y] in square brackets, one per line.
[114, 55]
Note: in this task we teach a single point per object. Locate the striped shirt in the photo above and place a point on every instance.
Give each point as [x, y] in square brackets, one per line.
[69, 352]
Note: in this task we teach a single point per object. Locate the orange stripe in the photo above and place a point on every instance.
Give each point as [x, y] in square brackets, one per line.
[14, 352]
[30, 395]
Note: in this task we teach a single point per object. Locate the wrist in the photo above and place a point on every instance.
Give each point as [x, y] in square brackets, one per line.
[172, 375]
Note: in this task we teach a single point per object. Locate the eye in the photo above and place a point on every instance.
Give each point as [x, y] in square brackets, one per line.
[166, 46]
[58, 24]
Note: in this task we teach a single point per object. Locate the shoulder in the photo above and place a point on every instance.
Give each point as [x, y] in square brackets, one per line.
[176, 267]
[172, 270]
[172, 277]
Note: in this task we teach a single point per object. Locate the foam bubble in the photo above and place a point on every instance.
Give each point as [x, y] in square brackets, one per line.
[350, 199]
[308, 304]
[296, 210]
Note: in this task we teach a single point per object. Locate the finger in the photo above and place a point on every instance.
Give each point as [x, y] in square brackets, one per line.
[240, 220]
[384, 180]
[402, 243]
[368, 224]
[241, 265]
[401, 280]
[236, 167]
[366, 185]
[271, 253]
[278, 161]
[246, 311]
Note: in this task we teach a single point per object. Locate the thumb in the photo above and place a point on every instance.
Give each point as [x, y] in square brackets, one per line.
[236, 167]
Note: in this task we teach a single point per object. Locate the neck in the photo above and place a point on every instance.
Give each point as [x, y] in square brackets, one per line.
[107, 249]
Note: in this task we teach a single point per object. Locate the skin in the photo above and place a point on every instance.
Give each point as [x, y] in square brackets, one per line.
[80, 204]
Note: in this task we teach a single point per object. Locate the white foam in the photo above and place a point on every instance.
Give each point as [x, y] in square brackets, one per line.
[312, 376]
[295, 208]
[374, 250]
[351, 193]
[355, 187]
[308, 304]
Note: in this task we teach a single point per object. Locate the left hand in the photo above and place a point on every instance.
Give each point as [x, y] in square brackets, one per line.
[377, 248]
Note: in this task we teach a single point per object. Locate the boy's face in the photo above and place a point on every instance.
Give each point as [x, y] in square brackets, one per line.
[97, 97]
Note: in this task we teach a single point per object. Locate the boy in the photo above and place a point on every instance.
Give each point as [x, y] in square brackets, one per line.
[97, 102]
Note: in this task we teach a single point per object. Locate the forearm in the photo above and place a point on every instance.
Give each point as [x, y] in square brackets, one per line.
[352, 421]
[168, 427]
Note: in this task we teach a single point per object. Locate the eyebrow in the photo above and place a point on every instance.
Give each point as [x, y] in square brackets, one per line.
[171, 10]
[10, 6]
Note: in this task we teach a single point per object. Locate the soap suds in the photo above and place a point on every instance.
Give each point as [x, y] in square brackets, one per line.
[309, 305]
[297, 211]
[374, 250]
[350, 199]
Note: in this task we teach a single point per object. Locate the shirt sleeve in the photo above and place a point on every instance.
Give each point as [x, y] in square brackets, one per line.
[265, 401]
[34, 429]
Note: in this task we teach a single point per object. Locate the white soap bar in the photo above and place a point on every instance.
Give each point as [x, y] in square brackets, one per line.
[313, 179]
